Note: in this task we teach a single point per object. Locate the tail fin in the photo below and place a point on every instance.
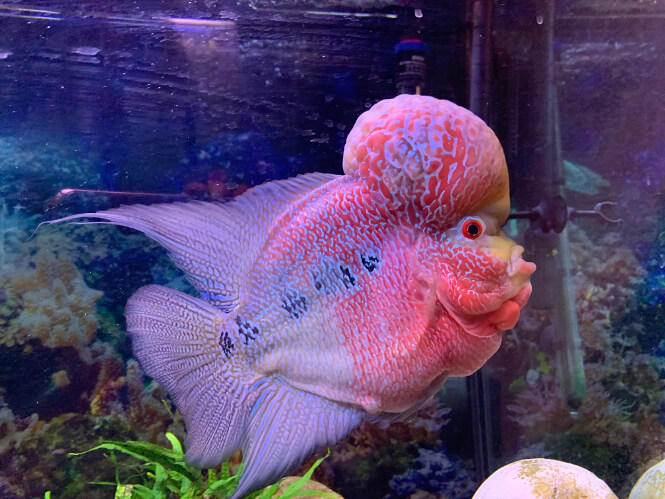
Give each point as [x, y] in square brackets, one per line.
[175, 338]
[226, 406]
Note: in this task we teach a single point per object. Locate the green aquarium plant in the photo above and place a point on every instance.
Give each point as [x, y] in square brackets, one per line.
[166, 474]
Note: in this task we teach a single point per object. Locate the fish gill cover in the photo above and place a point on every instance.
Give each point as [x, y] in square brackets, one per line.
[326, 300]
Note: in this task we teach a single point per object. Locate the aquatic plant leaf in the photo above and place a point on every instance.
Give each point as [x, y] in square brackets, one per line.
[269, 492]
[132, 491]
[186, 489]
[296, 488]
[161, 475]
[150, 453]
[123, 491]
[175, 443]
[225, 470]
[226, 485]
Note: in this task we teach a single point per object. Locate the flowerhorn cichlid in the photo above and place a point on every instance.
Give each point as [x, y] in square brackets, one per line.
[327, 299]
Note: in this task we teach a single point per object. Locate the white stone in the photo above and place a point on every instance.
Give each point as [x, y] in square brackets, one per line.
[651, 484]
[543, 479]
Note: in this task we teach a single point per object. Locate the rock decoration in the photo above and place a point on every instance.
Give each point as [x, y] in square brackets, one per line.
[651, 484]
[543, 479]
[310, 485]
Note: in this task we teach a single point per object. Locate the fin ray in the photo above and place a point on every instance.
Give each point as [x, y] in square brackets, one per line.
[286, 425]
[175, 340]
[225, 406]
[215, 244]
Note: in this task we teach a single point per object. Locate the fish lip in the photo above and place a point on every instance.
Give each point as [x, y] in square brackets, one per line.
[491, 322]
[517, 265]
[472, 324]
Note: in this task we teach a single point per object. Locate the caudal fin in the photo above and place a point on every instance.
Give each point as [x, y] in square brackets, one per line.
[175, 338]
[226, 406]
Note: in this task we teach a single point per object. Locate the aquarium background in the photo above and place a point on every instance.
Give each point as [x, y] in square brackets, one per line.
[203, 99]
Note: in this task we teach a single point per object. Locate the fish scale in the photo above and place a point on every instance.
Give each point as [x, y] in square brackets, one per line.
[325, 299]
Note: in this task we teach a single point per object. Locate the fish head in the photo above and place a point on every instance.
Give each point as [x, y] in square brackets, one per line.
[439, 169]
[482, 281]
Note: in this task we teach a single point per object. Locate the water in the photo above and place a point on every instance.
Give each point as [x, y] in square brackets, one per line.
[169, 101]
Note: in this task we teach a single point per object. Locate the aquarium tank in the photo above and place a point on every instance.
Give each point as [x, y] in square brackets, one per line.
[286, 263]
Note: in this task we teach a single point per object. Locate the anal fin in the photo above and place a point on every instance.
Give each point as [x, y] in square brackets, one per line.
[286, 425]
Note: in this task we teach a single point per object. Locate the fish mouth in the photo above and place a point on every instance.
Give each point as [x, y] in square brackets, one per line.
[507, 313]
[491, 323]
[517, 266]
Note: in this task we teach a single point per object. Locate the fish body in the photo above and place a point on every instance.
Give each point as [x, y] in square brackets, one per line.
[327, 299]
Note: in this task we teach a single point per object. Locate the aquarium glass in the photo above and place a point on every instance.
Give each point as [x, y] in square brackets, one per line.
[113, 103]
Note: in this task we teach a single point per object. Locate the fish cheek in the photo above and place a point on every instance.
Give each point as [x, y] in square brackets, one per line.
[437, 312]
[475, 282]
[422, 289]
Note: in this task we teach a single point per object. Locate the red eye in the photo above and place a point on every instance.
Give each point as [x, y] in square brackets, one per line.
[472, 228]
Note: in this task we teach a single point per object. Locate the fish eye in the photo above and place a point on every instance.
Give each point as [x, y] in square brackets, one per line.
[473, 228]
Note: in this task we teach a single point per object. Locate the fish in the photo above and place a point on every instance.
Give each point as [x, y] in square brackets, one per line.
[326, 300]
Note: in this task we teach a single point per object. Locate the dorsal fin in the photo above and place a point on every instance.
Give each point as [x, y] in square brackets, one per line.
[214, 243]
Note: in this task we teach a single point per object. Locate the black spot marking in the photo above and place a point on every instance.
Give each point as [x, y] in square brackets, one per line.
[295, 304]
[317, 278]
[370, 262]
[348, 279]
[246, 328]
[225, 341]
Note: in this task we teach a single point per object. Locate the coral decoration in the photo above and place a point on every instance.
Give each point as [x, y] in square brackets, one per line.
[14, 430]
[50, 302]
[148, 408]
[429, 154]
[108, 386]
[60, 379]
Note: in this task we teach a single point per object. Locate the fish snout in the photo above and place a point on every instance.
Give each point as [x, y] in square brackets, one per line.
[492, 301]
[517, 265]
[518, 270]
